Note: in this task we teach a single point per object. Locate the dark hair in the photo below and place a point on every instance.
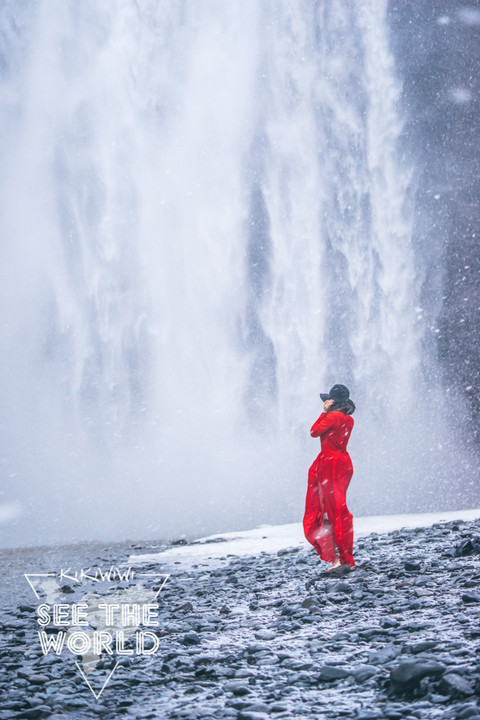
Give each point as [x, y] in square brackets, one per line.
[345, 406]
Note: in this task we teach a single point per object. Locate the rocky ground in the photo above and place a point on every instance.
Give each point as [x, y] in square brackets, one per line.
[273, 636]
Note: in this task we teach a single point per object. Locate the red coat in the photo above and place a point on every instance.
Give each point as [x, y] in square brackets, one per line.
[327, 523]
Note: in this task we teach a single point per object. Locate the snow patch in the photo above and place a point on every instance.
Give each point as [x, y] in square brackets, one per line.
[272, 538]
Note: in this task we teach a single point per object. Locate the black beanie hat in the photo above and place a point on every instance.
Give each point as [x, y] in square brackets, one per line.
[337, 393]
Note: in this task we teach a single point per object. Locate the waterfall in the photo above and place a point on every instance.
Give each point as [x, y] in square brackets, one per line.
[206, 220]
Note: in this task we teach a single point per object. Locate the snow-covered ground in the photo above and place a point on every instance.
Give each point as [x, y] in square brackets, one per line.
[272, 538]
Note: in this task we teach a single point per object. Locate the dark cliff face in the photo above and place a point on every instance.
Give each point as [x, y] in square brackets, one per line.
[437, 49]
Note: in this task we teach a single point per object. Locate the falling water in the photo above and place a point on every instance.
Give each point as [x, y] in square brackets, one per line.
[205, 221]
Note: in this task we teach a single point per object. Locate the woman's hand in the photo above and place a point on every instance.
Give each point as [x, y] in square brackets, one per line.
[327, 404]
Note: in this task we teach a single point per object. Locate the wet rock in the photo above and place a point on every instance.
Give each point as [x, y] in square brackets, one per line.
[48, 660]
[416, 626]
[388, 623]
[466, 712]
[410, 673]
[277, 707]
[453, 566]
[366, 633]
[422, 646]
[288, 551]
[332, 672]
[471, 546]
[13, 624]
[215, 540]
[470, 598]
[412, 565]
[244, 673]
[34, 678]
[236, 687]
[37, 713]
[75, 702]
[393, 712]
[454, 684]
[342, 587]
[385, 655]
[257, 648]
[296, 664]
[39, 679]
[265, 635]
[190, 638]
[361, 673]
[257, 707]
[309, 602]
[15, 705]
[186, 607]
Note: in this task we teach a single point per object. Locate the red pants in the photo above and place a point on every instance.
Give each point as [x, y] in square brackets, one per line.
[327, 523]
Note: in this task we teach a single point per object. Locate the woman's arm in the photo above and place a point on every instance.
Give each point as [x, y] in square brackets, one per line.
[324, 423]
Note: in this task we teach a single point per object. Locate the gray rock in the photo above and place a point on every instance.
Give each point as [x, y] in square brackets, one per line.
[187, 607]
[288, 609]
[253, 649]
[190, 638]
[392, 712]
[36, 713]
[36, 678]
[258, 707]
[453, 684]
[422, 646]
[265, 635]
[332, 672]
[364, 672]
[76, 702]
[411, 565]
[470, 598]
[236, 687]
[244, 672]
[385, 655]
[367, 632]
[309, 602]
[268, 660]
[465, 712]
[410, 673]
[287, 551]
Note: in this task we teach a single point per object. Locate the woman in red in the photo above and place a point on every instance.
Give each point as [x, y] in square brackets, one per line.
[327, 523]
